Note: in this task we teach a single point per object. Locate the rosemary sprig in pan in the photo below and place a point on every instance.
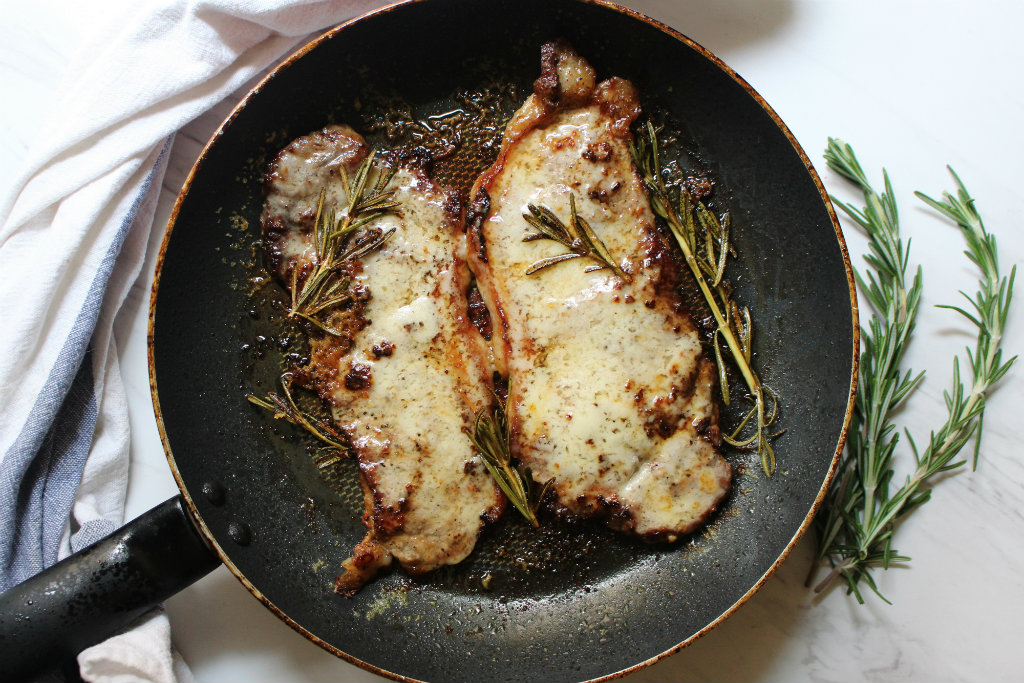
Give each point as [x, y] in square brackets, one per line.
[490, 435]
[285, 407]
[861, 510]
[336, 242]
[578, 238]
[689, 220]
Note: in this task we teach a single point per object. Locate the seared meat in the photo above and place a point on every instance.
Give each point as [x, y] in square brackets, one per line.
[609, 391]
[409, 373]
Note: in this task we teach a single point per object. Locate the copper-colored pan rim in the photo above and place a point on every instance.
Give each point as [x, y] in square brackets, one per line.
[707, 54]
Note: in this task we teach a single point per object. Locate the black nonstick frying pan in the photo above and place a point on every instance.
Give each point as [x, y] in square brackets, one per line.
[561, 603]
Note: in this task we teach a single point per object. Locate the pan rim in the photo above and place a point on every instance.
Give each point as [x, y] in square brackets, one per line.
[327, 35]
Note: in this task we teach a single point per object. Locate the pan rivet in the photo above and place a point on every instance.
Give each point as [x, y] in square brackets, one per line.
[214, 493]
[239, 533]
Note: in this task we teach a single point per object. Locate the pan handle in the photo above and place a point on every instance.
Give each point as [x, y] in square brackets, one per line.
[85, 598]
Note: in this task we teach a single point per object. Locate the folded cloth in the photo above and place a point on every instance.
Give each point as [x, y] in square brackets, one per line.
[133, 656]
[73, 231]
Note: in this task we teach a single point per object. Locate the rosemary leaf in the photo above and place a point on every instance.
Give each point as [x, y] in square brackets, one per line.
[550, 261]
[856, 525]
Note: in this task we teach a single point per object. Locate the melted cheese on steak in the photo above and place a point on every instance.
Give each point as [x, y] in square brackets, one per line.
[410, 377]
[609, 392]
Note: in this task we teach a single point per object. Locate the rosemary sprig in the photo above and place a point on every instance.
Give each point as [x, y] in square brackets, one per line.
[861, 510]
[336, 242]
[990, 306]
[286, 408]
[704, 241]
[490, 435]
[578, 238]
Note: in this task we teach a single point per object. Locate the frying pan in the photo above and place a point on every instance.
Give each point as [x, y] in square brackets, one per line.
[554, 604]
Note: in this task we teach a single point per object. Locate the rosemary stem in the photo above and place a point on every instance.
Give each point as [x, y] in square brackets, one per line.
[836, 572]
[724, 328]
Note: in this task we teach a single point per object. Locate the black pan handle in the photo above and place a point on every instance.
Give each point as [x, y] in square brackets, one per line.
[85, 598]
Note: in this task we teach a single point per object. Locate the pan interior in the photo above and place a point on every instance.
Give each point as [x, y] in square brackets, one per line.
[558, 602]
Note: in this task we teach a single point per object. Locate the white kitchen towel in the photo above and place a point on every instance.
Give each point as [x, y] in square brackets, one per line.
[134, 656]
[73, 230]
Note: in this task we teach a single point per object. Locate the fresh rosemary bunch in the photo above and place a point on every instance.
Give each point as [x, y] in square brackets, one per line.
[578, 238]
[490, 435]
[861, 510]
[336, 243]
[704, 241]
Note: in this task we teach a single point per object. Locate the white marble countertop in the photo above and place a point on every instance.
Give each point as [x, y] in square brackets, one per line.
[911, 85]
